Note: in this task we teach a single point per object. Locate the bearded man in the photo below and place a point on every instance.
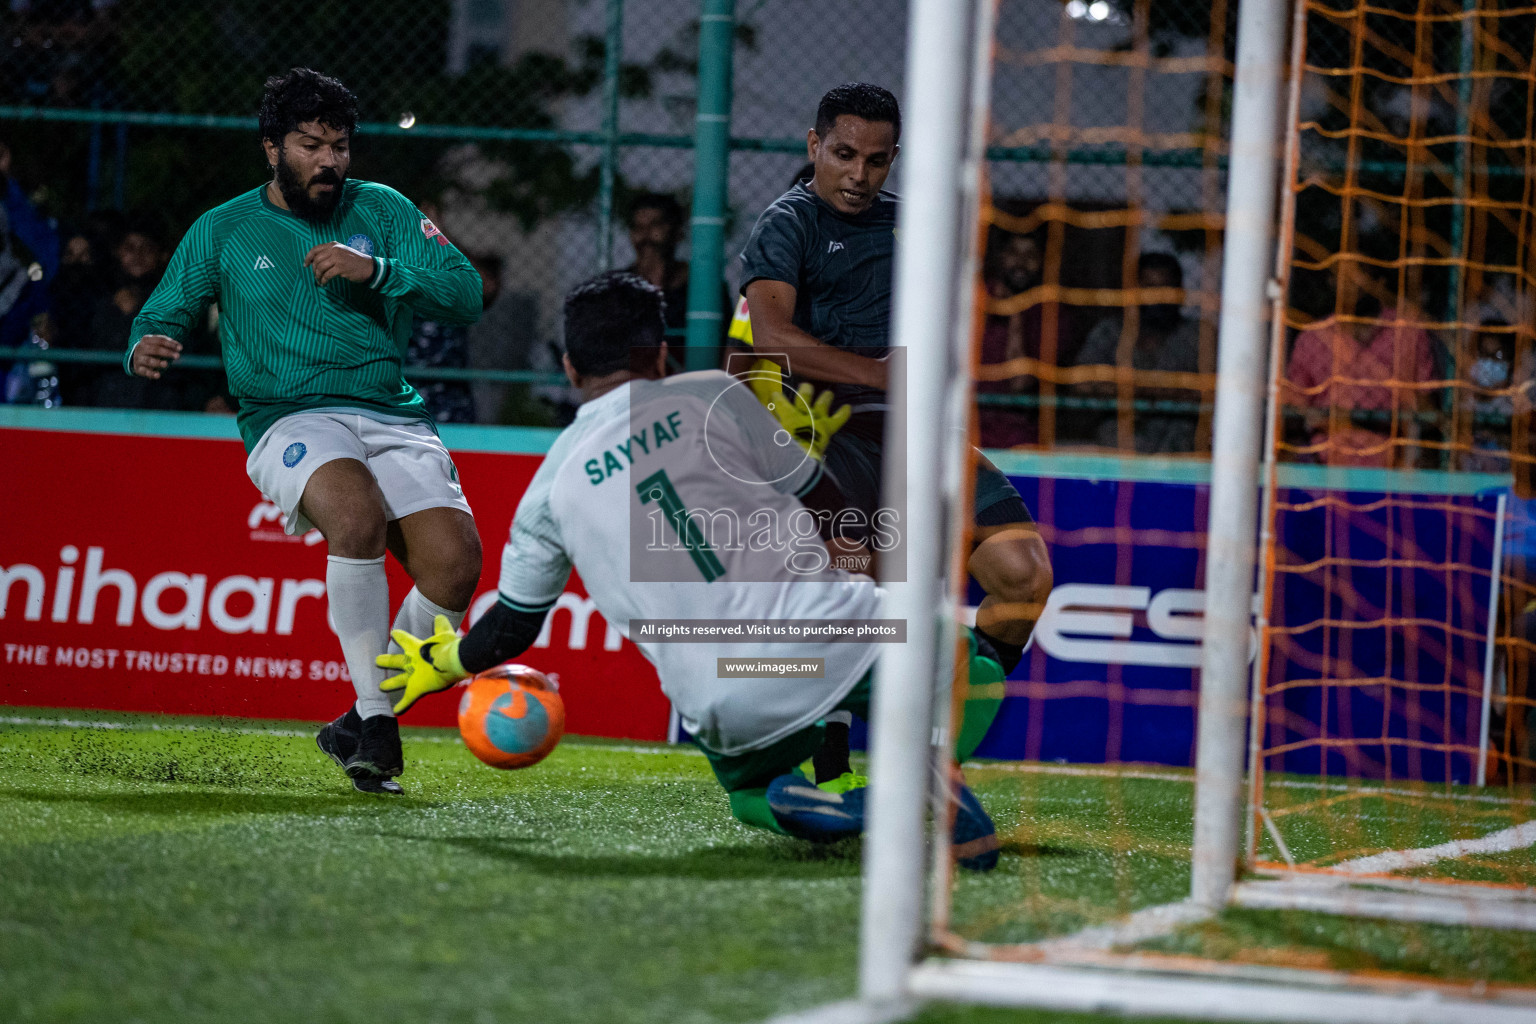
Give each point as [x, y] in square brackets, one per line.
[317, 278]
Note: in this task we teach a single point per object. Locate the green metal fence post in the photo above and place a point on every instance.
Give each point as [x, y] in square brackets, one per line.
[1463, 167]
[711, 168]
[1463, 162]
[613, 52]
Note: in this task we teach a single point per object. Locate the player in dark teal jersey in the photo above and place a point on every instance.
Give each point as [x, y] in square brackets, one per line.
[317, 277]
[817, 273]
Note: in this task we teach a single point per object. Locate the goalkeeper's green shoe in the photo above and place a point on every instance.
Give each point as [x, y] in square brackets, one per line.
[843, 783]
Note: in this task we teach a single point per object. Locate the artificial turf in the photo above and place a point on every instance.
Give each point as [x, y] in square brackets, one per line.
[195, 870]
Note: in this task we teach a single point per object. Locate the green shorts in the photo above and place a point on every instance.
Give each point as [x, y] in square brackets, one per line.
[756, 768]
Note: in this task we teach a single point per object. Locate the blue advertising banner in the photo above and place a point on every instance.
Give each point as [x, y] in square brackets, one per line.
[1379, 619]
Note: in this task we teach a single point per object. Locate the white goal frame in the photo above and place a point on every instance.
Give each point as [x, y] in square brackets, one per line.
[947, 85]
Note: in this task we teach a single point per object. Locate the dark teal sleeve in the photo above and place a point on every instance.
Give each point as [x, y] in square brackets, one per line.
[183, 294]
[424, 269]
[775, 250]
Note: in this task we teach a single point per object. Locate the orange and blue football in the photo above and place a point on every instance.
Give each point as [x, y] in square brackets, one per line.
[511, 716]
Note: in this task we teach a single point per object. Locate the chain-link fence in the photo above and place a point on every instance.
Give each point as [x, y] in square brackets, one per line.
[532, 129]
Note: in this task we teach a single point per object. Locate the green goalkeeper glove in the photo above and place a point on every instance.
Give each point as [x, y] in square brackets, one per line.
[810, 423]
[427, 665]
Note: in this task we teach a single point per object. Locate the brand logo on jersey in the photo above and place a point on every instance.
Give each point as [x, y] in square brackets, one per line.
[362, 243]
[834, 246]
[262, 263]
[293, 453]
[430, 230]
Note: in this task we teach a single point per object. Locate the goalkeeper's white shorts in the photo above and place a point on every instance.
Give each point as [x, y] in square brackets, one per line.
[413, 469]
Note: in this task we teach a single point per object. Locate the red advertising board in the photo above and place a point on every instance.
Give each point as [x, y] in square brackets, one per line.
[147, 573]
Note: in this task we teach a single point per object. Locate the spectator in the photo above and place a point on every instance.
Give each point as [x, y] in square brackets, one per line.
[38, 234]
[1012, 267]
[433, 345]
[656, 230]
[503, 339]
[1489, 404]
[23, 293]
[1499, 298]
[23, 313]
[82, 284]
[29, 259]
[138, 259]
[656, 223]
[1381, 356]
[1166, 341]
[62, 52]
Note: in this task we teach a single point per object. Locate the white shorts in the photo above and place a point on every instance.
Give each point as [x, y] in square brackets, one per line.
[408, 460]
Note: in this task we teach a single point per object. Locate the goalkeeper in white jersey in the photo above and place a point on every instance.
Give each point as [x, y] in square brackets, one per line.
[683, 498]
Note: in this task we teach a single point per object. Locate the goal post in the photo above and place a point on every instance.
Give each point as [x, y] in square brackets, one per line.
[925, 442]
[1241, 391]
[1433, 236]
[1173, 948]
[942, 38]
[930, 327]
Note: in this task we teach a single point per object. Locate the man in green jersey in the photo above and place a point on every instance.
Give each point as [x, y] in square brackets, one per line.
[317, 278]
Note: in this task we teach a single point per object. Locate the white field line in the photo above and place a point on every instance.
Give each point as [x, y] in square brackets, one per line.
[1341, 787]
[1147, 923]
[81, 723]
[250, 730]
[1503, 841]
[1187, 777]
[851, 1011]
[1086, 771]
[1165, 919]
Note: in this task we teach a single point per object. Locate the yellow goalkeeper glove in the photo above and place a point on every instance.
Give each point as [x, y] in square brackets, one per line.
[806, 415]
[427, 665]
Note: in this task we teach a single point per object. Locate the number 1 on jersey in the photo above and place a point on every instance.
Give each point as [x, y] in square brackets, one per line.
[658, 488]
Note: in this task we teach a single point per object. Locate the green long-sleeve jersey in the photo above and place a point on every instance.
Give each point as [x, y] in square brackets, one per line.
[290, 344]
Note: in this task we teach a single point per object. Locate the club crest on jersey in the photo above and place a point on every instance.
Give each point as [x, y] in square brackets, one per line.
[431, 231]
[293, 453]
[362, 243]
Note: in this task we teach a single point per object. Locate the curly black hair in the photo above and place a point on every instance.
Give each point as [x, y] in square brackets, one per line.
[301, 96]
[870, 102]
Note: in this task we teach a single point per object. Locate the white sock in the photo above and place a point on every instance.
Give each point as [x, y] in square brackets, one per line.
[416, 616]
[840, 718]
[358, 593]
